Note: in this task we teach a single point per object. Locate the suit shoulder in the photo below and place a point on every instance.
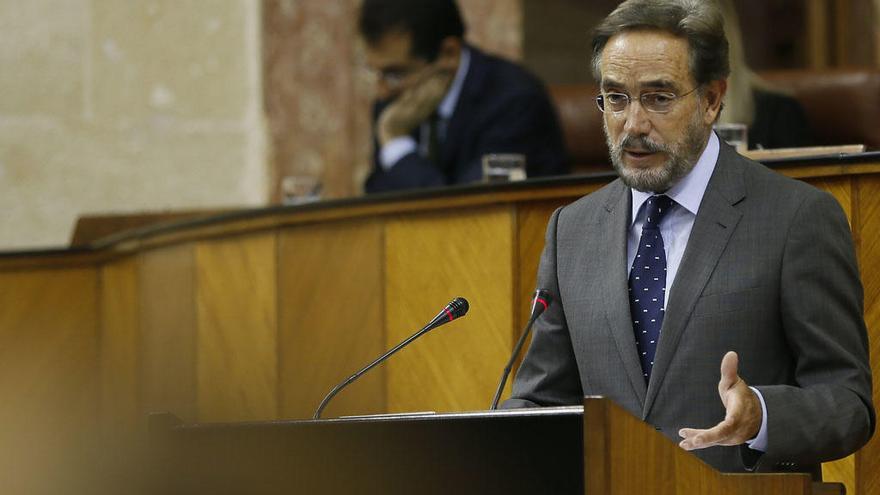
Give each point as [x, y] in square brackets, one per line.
[770, 191]
[587, 207]
[508, 77]
[768, 181]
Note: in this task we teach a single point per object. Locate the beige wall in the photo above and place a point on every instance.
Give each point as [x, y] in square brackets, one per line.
[118, 106]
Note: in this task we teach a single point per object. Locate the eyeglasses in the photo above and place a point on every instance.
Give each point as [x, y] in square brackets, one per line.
[397, 75]
[654, 102]
[394, 77]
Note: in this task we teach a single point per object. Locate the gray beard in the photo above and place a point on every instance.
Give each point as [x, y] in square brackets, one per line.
[682, 159]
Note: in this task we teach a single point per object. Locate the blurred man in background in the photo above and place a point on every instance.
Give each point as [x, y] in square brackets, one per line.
[443, 104]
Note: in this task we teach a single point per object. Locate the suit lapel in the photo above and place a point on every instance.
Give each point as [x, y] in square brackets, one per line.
[711, 232]
[615, 289]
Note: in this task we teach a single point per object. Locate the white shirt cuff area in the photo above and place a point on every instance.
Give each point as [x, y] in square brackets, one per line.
[760, 441]
[395, 149]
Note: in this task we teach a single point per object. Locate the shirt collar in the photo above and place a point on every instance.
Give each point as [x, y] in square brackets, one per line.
[447, 106]
[689, 191]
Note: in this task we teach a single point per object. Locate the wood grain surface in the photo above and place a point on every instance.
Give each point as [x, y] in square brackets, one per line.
[237, 340]
[623, 455]
[48, 326]
[120, 347]
[331, 302]
[48, 379]
[431, 259]
[168, 331]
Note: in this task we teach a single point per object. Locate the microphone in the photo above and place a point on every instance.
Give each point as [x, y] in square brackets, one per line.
[457, 308]
[540, 302]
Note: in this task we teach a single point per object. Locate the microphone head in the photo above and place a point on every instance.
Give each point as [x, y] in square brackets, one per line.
[458, 307]
[540, 302]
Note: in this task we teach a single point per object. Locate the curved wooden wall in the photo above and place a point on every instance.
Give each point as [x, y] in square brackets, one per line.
[255, 315]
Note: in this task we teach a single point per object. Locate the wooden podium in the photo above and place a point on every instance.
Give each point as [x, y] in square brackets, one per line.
[595, 449]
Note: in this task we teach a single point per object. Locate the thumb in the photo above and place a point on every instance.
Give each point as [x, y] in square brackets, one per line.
[729, 370]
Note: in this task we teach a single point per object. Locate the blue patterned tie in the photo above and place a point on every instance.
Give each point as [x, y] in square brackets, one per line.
[647, 283]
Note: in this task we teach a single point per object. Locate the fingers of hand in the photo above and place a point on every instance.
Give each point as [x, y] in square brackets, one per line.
[415, 105]
[742, 418]
[429, 91]
[741, 422]
[433, 73]
[729, 370]
[721, 434]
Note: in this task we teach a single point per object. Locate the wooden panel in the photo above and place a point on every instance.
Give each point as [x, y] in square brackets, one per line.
[331, 305]
[615, 441]
[48, 326]
[120, 347]
[867, 462]
[91, 228]
[429, 260]
[841, 471]
[237, 351]
[48, 378]
[167, 324]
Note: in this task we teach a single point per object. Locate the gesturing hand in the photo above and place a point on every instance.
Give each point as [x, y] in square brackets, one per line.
[414, 105]
[743, 412]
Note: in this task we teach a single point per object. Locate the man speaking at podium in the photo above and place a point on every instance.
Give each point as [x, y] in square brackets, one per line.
[698, 260]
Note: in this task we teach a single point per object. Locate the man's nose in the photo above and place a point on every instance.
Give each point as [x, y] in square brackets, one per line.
[638, 121]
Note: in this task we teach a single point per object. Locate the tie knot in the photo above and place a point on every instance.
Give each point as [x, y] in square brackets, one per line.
[656, 208]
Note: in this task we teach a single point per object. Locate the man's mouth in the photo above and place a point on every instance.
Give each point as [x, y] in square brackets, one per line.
[639, 153]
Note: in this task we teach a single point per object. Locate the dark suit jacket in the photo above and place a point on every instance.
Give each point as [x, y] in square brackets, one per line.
[769, 271]
[501, 109]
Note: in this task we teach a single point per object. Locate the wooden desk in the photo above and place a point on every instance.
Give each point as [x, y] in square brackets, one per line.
[594, 449]
[254, 315]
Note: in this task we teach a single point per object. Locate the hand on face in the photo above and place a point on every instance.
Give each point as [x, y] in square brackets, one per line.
[416, 103]
[743, 412]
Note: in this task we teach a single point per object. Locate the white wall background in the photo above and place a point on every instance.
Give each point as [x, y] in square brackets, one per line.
[125, 106]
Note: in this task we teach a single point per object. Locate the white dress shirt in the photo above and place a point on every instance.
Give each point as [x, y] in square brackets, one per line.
[676, 230]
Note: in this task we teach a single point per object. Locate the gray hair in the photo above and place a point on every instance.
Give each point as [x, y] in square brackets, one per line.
[698, 21]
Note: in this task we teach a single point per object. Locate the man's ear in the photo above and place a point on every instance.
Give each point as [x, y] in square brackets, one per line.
[713, 97]
[449, 53]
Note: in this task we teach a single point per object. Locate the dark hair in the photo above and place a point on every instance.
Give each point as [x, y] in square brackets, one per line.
[429, 22]
[698, 21]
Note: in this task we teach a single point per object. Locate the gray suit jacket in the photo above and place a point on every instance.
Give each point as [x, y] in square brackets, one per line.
[769, 272]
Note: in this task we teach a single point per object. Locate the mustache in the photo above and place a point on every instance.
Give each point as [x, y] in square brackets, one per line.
[641, 143]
